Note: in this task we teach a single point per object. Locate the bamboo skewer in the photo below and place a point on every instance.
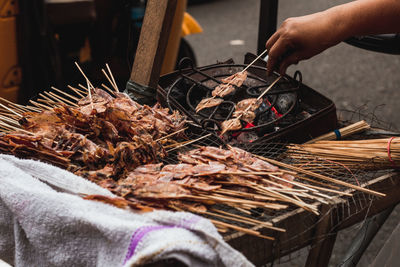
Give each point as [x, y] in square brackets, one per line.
[14, 128]
[66, 101]
[34, 109]
[108, 89]
[43, 107]
[66, 94]
[51, 98]
[169, 135]
[11, 110]
[244, 194]
[191, 142]
[88, 82]
[254, 61]
[58, 99]
[230, 216]
[265, 224]
[109, 80]
[47, 99]
[10, 120]
[288, 199]
[241, 229]
[322, 177]
[345, 131]
[77, 91]
[112, 77]
[13, 104]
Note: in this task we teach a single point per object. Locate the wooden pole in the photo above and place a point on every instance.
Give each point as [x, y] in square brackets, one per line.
[153, 41]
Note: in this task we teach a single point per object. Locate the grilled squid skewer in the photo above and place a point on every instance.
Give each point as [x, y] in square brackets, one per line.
[242, 110]
[208, 103]
[223, 90]
[233, 124]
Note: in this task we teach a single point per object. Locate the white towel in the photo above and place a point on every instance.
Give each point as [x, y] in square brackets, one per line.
[43, 222]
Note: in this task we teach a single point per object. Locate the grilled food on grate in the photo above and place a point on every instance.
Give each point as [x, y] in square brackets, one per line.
[222, 90]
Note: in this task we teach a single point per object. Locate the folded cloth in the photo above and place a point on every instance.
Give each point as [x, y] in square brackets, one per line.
[45, 222]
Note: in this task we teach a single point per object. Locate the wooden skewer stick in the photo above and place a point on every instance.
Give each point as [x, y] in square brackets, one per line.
[10, 120]
[265, 224]
[330, 190]
[88, 82]
[66, 101]
[174, 133]
[15, 128]
[108, 89]
[66, 94]
[250, 173]
[286, 198]
[52, 100]
[6, 126]
[84, 75]
[84, 88]
[293, 183]
[109, 80]
[112, 77]
[43, 107]
[32, 108]
[244, 194]
[245, 220]
[77, 91]
[254, 61]
[322, 177]
[177, 144]
[241, 229]
[13, 104]
[11, 110]
[90, 93]
[17, 109]
[191, 142]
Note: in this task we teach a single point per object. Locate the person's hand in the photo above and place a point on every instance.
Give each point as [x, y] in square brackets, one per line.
[301, 38]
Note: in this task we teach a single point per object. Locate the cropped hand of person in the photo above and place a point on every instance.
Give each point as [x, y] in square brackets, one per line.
[303, 37]
[300, 38]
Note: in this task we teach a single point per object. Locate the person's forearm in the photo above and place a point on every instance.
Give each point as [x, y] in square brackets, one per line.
[364, 17]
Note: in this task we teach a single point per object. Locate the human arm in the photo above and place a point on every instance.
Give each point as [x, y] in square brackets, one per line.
[304, 37]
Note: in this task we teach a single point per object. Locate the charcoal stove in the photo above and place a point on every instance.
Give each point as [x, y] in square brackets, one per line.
[291, 111]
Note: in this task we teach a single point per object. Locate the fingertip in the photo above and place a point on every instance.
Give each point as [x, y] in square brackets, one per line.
[270, 65]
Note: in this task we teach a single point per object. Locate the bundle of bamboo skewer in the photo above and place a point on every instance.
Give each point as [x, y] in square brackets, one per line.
[343, 132]
[372, 154]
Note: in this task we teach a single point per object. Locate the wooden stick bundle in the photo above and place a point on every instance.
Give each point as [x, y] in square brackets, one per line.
[365, 154]
[345, 131]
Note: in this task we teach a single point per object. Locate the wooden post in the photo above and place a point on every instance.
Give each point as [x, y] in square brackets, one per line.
[153, 41]
[267, 22]
[322, 245]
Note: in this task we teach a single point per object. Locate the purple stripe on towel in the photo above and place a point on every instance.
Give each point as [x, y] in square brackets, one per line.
[138, 235]
[144, 230]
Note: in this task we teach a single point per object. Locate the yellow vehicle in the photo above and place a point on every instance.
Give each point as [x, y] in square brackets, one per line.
[40, 42]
